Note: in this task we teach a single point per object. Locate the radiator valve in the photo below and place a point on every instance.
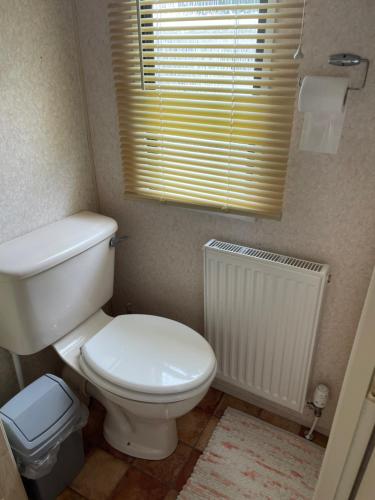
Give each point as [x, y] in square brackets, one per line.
[318, 403]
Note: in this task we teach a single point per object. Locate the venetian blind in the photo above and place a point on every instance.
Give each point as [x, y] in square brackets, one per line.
[205, 94]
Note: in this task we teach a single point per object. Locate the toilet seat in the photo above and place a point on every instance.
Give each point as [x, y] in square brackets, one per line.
[148, 358]
[143, 397]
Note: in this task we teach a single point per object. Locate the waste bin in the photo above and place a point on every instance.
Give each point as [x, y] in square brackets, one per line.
[43, 424]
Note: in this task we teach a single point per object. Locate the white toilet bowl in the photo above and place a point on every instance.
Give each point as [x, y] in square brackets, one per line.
[146, 371]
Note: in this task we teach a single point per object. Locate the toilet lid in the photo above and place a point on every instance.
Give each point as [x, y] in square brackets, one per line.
[150, 354]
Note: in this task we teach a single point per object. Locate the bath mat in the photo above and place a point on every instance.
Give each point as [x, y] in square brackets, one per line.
[247, 458]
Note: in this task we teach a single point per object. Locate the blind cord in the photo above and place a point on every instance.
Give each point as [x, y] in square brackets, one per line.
[299, 54]
[140, 43]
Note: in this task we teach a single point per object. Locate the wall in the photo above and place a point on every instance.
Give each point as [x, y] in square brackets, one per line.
[45, 165]
[329, 209]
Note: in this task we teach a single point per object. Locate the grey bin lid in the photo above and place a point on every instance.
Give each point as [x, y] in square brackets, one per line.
[36, 417]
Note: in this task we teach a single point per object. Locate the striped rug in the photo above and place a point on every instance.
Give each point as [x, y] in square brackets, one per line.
[247, 458]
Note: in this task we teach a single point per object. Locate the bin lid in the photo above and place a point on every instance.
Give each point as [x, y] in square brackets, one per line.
[37, 415]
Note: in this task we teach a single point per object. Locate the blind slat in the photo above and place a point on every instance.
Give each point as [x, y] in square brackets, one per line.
[173, 163]
[150, 55]
[239, 170]
[221, 72]
[219, 140]
[253, 160]
[269, 91]
[257, 153]
[212, 46]
[214, 124]
[226, 5]
[205, 188]
[121, 8]
[189, 178]
[222, 82]
[274, 66]
[208, 133]
[152, 39]
[205, 94]
[255, 114]
[216, 101]
[179, 196]
[122, 31]
[249, 16]
[269, 17]
[148, 94]
[172, 188]
[243, 119]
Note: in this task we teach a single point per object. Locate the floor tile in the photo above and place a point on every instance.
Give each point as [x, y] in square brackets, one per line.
[171, 495]
[319, 439]
[136, 485]
[187, 469]
[206, 434]
[166, 470]
[69, 494]
[116, 453]
[99, 476]
[237, 404]
[191, 425]
[210, 401]
[281, 422]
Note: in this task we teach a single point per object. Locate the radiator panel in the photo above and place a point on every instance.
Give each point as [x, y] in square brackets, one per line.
[261, 318]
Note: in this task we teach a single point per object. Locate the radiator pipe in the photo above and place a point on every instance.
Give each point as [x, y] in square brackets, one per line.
[18, 370]
[309, 434]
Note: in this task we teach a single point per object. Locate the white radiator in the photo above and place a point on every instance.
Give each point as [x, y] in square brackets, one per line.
[261, 318]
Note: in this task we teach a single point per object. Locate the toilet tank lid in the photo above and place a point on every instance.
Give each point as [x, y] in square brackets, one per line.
[50, 245]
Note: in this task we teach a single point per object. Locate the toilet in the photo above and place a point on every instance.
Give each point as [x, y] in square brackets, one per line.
[145, 370]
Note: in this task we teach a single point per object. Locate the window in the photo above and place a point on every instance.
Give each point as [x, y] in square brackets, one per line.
[205, 94]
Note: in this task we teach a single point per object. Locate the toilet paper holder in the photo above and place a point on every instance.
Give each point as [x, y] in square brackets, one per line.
[346, 59]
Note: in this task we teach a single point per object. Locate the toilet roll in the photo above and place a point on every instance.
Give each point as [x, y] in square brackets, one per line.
[322, 99]
[322, 94]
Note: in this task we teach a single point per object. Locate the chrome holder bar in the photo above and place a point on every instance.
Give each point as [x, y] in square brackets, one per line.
[346, 60]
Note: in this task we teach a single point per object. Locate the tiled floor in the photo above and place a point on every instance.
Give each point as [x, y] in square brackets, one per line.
[109, 474]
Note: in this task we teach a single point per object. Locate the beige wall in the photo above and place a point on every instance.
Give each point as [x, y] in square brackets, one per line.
[45, 166]
[329, 210]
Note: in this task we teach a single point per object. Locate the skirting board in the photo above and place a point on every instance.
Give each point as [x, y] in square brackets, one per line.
[266, 405]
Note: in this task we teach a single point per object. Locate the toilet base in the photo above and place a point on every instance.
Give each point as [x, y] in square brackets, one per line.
[141, 438]
[143, 429]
